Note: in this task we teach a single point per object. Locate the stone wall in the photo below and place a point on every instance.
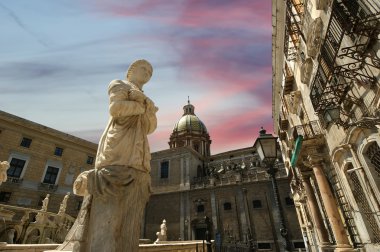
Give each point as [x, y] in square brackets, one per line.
[27, 190]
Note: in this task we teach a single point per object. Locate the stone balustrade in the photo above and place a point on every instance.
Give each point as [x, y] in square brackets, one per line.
[30, 226]
[179, 246]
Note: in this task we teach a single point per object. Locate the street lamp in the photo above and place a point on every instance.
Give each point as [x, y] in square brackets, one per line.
[267, 147]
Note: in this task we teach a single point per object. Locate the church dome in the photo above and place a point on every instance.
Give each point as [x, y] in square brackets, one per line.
[189, 122]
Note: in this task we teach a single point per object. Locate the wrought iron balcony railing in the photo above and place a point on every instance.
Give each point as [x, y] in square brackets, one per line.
[341, 67]
[309, 130]
[293, 18]
[47, 187]
[14, 180]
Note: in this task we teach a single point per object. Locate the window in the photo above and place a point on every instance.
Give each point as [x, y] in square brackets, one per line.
[199, 171]
[373, 153]
[58, 151]
[90, 160]
[16, 167]
[51, 175]
[257, 204]
[196, 147]
[263, 245]
[200, 208]
[227, 206]
[25, 142]
[298, 245]
[5, 196]
[289, 201]
[165, 169]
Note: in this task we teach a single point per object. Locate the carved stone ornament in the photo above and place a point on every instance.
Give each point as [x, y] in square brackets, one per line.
[306, 71]
[293, 99]
[314, 37]
[321, 4]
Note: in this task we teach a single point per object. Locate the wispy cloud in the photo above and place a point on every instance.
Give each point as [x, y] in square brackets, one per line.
[22, 25]
[218, 51]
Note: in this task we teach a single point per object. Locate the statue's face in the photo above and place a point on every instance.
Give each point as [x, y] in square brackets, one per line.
[141, 73]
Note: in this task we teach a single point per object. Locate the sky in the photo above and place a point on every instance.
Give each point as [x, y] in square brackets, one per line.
[58, 57]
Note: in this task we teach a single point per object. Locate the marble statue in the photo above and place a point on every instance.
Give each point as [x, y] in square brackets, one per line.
[118, 188]
[41, 216]
[162, 235]
[4, 166]
[63, 206]
[45, 203]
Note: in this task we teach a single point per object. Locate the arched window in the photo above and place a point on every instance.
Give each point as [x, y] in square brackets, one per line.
[363, 204]
[373, 154]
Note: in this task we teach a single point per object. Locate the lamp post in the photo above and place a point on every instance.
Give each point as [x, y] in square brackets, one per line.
[267, 147]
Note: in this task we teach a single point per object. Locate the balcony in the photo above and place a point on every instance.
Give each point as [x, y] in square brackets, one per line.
[309, 130]
[293, 19]
[341, 68]
[14, 180]
[289, 80]
[282, 136]
[47, 187]
[284, 123]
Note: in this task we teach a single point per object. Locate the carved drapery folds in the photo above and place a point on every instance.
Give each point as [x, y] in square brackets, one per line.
[314, 37]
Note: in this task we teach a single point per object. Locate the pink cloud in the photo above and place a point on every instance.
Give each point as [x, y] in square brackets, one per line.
[223, 50]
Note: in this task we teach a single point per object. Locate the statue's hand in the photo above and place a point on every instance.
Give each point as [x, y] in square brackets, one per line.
[136, 95]
[80, 184]
[150, 105]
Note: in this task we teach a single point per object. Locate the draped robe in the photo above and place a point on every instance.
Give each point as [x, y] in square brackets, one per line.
[119, 186]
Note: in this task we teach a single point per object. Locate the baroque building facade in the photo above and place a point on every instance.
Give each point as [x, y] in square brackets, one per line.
[326, 104]
[229, 194]
[42, 161]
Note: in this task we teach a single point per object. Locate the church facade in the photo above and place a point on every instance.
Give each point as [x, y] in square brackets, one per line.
[229, 193]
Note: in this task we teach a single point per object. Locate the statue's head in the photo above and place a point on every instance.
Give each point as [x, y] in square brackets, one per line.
[139, 72]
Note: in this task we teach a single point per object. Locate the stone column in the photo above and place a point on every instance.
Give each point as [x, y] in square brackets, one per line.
[315, 213]
[329, 204]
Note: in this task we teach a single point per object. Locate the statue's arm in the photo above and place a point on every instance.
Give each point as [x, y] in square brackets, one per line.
[151, 121]
[150, 116]
[119, 104]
